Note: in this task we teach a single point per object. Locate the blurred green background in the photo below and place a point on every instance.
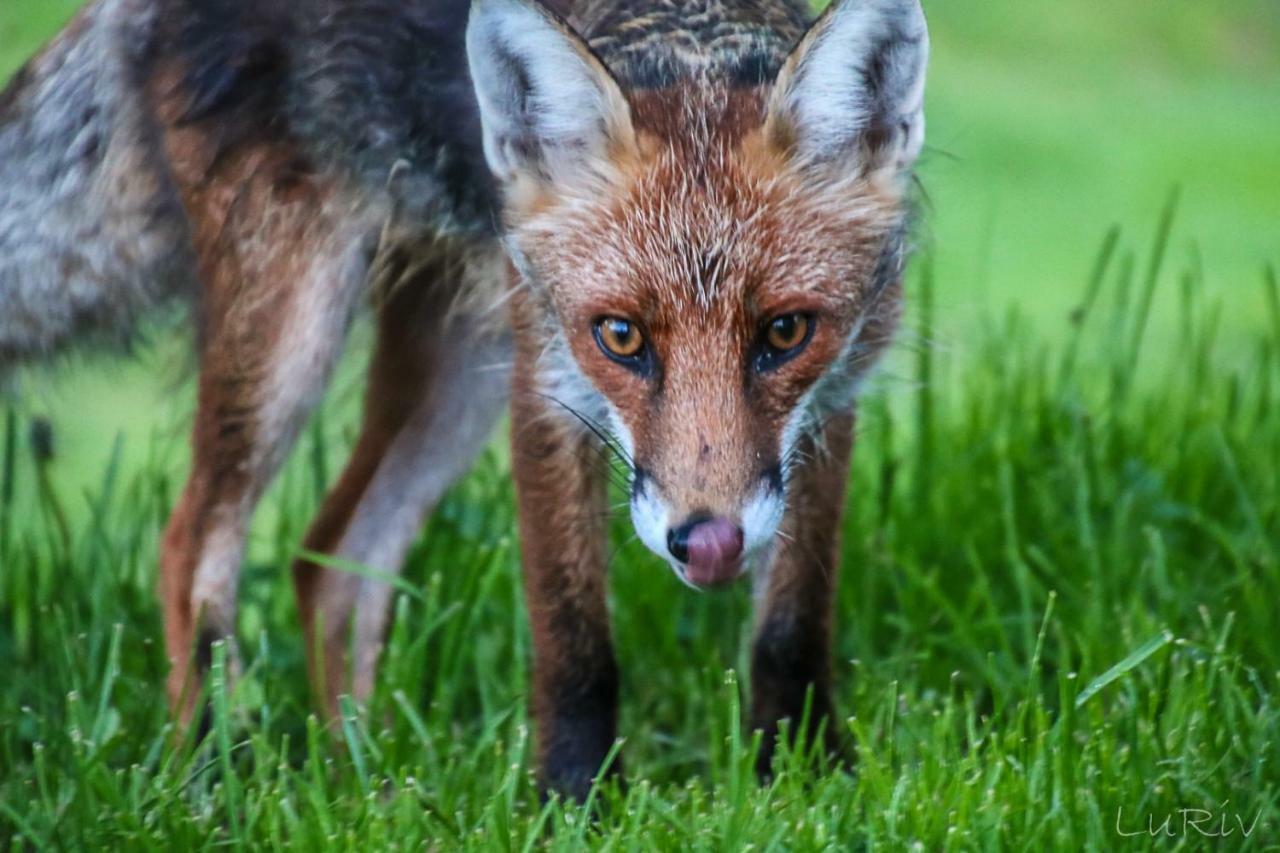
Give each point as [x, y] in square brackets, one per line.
[1048, 124]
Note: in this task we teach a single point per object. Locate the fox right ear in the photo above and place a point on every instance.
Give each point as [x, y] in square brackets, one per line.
[550, 109]
[851, 95]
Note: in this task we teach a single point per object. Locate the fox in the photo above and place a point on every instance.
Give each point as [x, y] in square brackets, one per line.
[670, 230]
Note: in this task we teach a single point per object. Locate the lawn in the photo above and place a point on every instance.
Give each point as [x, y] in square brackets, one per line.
[1062, 558]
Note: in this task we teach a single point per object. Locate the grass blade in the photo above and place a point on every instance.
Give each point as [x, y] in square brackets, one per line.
[1131, 662]
[1159, 251]
[328, 561]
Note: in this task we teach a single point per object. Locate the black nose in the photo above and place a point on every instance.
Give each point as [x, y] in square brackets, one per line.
[678, 537]
[678, 542]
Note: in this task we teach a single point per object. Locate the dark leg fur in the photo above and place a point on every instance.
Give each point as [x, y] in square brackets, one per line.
[561, 497]
[791, 659]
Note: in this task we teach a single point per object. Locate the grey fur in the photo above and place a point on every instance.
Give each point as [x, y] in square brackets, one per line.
[741, 41]
[91, 230]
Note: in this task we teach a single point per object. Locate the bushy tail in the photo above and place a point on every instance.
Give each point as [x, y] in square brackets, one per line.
[91, 229]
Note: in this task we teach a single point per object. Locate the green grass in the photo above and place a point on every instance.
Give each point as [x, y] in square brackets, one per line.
[1062, 558]
[1058, 612]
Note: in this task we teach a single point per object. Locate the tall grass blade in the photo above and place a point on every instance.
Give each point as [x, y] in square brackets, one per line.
[1101, 263]
[925, 381]
[1273, 301]
[339, 564]
[355, 742]
[221, 704]
[1131, 662]
[1159, 250]
[8, 475]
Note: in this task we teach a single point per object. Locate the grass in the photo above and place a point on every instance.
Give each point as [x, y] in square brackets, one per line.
[1062, 557]
[1057, 618]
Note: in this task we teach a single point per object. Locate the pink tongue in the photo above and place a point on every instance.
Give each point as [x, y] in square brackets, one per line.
[714, 549]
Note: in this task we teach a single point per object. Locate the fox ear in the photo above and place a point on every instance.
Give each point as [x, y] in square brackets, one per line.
[851, 95]
[549, 107]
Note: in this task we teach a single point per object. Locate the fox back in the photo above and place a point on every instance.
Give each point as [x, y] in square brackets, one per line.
[114, 136]
[91, 228]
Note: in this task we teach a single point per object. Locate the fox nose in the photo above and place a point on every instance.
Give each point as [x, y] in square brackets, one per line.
[709, 548]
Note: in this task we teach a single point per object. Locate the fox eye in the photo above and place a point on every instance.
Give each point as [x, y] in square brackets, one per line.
[784, 336]
[620, 339]
[787, 332]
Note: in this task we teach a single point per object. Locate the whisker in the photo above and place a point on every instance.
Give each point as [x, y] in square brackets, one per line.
[634, 537]
[597, 429]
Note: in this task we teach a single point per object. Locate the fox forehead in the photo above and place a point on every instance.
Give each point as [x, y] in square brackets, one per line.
[707, 216]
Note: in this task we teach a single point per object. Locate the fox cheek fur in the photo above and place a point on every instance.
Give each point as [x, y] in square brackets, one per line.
[696, 201]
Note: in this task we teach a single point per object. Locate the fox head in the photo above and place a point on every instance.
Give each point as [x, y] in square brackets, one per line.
[715, 265]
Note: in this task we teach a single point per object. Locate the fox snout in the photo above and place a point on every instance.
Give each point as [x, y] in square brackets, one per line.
[707, 547]
[710, 549]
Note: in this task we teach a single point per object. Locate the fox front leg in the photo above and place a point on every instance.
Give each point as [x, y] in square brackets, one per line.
[792, 648]
[561, 496]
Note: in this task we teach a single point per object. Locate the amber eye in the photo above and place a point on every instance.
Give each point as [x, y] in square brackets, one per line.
[784, 337]
[619, 338]
[787, 332]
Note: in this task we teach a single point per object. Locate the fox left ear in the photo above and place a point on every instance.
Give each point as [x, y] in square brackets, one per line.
[549, 107]
[852, 91]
